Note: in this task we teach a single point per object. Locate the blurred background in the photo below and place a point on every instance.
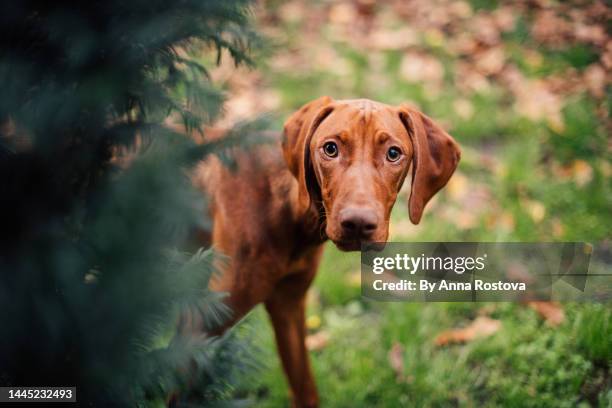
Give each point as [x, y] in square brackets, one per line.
[96, 211]
[524, 87]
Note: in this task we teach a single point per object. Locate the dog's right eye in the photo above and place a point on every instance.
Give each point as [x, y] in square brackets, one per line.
[330, 149]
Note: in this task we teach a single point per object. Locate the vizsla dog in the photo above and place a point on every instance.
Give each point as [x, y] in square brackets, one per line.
[335, 176]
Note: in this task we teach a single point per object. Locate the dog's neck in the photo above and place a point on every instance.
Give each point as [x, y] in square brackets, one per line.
[309, 222]
[315, 222]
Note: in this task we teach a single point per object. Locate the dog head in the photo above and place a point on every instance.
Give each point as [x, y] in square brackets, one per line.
[352, 156]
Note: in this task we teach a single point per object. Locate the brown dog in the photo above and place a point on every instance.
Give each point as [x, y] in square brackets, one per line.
[344, 163]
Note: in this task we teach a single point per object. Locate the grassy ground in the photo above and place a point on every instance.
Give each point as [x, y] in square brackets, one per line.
[524, 91]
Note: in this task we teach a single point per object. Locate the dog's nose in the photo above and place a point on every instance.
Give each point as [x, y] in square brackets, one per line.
[358, 223]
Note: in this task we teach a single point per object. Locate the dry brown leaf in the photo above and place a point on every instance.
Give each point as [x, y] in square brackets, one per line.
[470, 80]
[606, 58]
[404, 229]
[557, 228]
[485, 29]
[460, 9]
[582, 171]
[483, 326]
[491, 61]
[503, 221]
[504, 18]
[292, 11]
[463, 43]
[535, 209]
[463, 108]
[354, 278]
[396, 360]
[459, 186]
[552, 312]
[466, 221]
[549, 28]
[536, 101]
[317, 341]
[313, 298]
[384, 39]
[590, 33]
[595, 79]
[342, 13]
[517, 272]
[421, 68]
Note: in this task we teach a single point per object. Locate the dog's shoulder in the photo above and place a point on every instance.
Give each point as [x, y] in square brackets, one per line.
[252, 180]
[254, 160]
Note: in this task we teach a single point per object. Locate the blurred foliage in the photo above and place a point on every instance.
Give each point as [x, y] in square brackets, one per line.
[95, 198]
[524, 87]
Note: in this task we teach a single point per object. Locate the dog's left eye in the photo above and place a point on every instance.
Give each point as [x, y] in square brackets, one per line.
[393, 154]
[330, 149]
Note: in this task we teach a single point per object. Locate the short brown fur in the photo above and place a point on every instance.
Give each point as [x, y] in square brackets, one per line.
[271, 216]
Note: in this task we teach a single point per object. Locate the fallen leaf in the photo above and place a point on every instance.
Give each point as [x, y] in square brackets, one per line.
[317, 341]
[549, 28]
[291, 11]
[470, 80]
[504, 18]
[535, 209]
[461, 9]
[313, 322]
[517, 272]
[396, 360]
[463, 43]
[595, 79]
[582, 171]
[606, 58]
[590, 33]
[486, 29]
[463, 108]
[483, 326]
[466, 220]
[458, 186]
[342, 13]
[313, 298]
[557, 228]
[384, 39]
[504, 221]
[421, 68]
[354, 278]
[552, 312]
[492, 61]
[404, 228]
[536, 102]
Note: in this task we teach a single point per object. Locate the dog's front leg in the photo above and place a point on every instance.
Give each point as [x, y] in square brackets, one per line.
[286, 307]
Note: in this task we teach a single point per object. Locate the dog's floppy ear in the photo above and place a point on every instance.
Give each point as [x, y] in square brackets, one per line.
[435, 158]
[297, 133]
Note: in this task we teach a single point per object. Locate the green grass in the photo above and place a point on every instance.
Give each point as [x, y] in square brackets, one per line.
[526, 363]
